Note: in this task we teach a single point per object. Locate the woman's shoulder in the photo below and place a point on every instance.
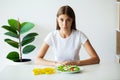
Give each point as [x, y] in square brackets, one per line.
[77, 31]
[53, 33]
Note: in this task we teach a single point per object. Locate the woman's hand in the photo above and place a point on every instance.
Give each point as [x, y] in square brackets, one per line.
[66, 63]
[70, 63]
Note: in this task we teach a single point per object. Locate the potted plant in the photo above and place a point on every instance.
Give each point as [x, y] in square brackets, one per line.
[15, 30]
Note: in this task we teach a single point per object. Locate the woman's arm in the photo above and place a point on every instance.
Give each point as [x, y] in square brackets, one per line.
[94, 58]
[39, 60]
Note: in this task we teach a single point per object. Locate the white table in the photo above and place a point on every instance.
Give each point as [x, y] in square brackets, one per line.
[90, 72]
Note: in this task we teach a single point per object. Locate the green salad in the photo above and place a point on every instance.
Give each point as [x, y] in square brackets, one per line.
[68, 68]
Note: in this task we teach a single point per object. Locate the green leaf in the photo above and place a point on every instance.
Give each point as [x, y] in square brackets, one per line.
[12, 43]
[13, 56]
[11, 34]
[29, 36]
[13, 23]
[28, 49]
[26, 26]
[28, 41]
[9, 28]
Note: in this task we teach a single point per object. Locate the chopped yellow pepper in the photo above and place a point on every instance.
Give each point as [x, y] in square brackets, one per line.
[47, 70]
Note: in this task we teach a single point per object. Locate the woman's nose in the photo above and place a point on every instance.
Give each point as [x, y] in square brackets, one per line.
[65, 23]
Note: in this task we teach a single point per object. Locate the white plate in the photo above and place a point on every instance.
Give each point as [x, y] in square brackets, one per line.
[81, 69]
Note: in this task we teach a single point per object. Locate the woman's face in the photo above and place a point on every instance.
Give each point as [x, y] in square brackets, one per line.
[64, 22]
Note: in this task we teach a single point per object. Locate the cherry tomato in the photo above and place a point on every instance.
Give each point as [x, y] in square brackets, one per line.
[72, 69]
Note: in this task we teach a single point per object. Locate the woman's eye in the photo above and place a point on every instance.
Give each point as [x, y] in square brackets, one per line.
[61, 20]
[68, 20]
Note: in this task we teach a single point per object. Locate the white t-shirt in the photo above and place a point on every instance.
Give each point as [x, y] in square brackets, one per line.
[66, 49]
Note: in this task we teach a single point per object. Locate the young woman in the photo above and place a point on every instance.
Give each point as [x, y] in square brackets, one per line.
[66, 42]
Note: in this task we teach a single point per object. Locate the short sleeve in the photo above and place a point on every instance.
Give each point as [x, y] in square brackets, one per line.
[48, 39]
[83, 38]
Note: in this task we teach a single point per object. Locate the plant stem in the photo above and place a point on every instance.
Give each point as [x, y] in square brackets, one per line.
[20, 47]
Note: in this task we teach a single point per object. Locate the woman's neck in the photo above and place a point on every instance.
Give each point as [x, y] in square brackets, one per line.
[64, 33]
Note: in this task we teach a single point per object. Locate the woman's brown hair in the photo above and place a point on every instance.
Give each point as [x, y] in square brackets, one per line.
[68, 11]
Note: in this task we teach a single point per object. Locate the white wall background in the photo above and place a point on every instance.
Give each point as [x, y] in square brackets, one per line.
[96, 18]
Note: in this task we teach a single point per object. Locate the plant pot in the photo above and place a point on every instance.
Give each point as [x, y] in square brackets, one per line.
[24, 61]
